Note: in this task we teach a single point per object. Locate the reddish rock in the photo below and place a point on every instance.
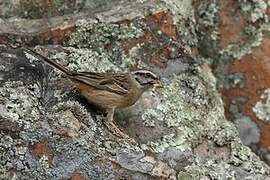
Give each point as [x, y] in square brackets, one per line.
[164, 22]
[160, 56]
[57, 34]
[256, 70]
[232, 23]
[77, 176]
[159, 23]
[68, 125]
[268, 8]
[42, 149]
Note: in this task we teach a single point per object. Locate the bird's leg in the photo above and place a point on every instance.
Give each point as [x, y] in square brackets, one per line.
[112, 127]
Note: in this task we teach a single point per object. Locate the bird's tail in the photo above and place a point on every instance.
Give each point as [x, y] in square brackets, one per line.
[50, 62]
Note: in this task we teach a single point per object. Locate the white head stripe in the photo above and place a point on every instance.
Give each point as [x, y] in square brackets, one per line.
[145, 72]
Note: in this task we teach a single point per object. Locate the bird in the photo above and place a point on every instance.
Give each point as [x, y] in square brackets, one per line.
[107, 90]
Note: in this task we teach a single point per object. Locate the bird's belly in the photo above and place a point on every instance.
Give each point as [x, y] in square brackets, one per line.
[105, 99]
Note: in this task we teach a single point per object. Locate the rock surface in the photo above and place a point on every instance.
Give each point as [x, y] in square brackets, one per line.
[49, 131]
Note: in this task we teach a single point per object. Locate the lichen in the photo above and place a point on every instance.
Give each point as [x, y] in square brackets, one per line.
[234, 80]
[242, 156]
[5, 174]
[94, 38]
[86, 121]
[188, 108]
[208, 13]
[207, 17]
[18, 103]
[179, 111]
[236, 51]
[262, 108]
[218, 163]
[96, 35]
[181, 9]
[86, 60]
[184, 18]
[254, 9]
[174, 111]
[254, 37]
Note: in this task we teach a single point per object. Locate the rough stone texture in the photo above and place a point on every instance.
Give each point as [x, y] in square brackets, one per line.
[246, 67]
[262, 108]
[248, 130]
[48, 131]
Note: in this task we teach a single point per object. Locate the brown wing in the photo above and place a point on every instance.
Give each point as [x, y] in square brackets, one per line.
[116, 83]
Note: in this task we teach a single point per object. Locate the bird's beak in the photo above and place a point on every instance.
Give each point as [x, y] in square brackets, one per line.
[157, 84]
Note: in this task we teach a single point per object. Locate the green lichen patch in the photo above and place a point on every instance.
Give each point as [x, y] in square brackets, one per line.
[96, 35]
[187, 111]
[234, 80]
[72, 119]
[19, 103]
[184, 18]
[254, 9]
[209, 17]
[87, 60]
[204, 120]
[219, 162]
[139, 42]
[262, 108]
[254, 37]
[105, 44]
[174, 111]
[242, 156]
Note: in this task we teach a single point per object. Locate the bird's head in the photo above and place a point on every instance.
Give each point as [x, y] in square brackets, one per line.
[146, 78]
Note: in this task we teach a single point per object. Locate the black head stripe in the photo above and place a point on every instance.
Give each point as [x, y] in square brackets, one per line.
[146, 73]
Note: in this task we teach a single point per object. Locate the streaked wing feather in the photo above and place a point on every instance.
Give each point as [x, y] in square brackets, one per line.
[114, 83]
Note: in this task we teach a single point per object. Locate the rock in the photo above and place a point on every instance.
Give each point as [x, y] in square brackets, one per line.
[180, 130]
